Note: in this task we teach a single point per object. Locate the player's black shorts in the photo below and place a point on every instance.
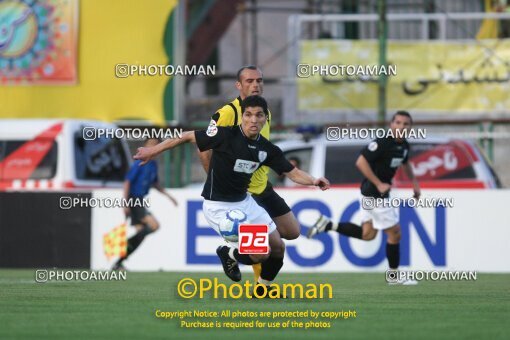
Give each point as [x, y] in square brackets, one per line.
[137, 214]
[271, 202]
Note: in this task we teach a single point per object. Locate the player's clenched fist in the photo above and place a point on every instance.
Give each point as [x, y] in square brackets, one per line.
[144, 154]
[383, 188]
[322, 183]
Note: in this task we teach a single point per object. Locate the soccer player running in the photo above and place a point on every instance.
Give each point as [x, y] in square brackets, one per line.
[137, 184]
[250, 82]
[378, 162]
[238, 151]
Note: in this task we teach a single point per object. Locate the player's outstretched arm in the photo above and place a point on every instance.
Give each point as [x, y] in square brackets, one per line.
[145, 154]
[410, 174]
[363, 166]
[300, 177]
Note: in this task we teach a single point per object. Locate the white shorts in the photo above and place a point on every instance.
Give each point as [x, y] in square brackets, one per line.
[215, 212]
[381, 217]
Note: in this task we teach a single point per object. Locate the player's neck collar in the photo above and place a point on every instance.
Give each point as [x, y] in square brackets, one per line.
[256, 139]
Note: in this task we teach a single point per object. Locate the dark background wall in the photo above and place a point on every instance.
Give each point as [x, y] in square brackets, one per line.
[36, 233]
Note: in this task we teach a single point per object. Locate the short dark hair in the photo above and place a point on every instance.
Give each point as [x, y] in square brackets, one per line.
[247, 67]
[402, 113]
[254, 101]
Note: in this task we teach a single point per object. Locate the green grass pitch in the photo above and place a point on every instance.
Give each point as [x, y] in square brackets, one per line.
[126, 309]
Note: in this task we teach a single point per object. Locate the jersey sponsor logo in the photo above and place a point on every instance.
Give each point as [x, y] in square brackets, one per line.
[372, 146]
[212, 130]
[395, 162]
[251, 146]
[262, 156]
[247, 167]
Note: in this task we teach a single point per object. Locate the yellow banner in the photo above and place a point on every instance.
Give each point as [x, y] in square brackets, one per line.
[110, 32]
[453, 77]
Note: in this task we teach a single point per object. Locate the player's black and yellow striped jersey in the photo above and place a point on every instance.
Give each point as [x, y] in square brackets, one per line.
[230, 115]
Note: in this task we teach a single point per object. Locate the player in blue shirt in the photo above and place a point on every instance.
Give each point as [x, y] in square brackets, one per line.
[137, 184]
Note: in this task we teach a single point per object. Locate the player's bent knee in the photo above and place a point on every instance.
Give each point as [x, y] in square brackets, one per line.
[368, 231]
[288, 226]
[393, 240]
[259, 258]
[277, 247]
[154, 226]
[291, 234]
[278, 251]
[369, 235]
[394, 235]
[151, 222]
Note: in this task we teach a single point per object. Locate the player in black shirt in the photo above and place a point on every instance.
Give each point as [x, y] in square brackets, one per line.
[238, 151]
[378, 162]
[250, 81]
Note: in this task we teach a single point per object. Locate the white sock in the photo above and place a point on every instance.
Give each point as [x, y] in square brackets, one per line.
[264, 282]
[231, 253]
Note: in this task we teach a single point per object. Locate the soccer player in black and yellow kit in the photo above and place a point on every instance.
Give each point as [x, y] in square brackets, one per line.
[250, 82]
[238, 152]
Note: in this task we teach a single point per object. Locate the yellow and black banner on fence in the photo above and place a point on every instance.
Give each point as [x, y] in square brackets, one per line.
[454, 77]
